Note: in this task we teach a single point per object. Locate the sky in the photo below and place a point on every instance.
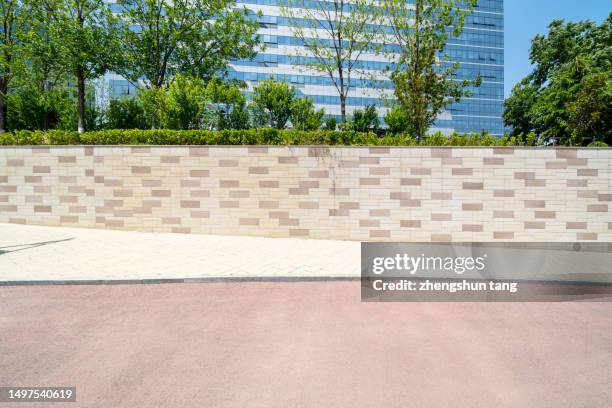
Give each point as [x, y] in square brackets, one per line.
[526, 18]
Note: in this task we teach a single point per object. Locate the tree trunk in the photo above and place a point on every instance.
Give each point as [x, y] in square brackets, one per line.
[343, 107]
[3, 104]
[80, 100]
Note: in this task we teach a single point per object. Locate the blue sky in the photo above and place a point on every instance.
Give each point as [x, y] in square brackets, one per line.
[526, 18]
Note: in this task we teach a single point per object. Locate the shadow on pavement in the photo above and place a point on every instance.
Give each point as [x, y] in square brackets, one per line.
[21, 247]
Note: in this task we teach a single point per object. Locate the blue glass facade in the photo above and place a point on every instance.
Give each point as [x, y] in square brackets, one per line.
[479, 50]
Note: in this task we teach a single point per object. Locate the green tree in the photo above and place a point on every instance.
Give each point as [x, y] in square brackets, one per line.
[365, 120]
[331, 123]
[567, 95]
[423, 86]
[274, 101]
[12, 23]
[397, 120]
[85, 34]
[336, 33]
[304, 116]
[127, 113]
[192, 37]
[229, 108]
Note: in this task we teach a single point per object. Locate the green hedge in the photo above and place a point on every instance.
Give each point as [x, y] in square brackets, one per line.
[246, 137]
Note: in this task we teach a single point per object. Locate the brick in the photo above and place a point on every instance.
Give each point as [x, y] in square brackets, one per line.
[32, 179]
[503, 150]
[15, 162]
[190, 183]
[493, 161]
[400, 195]
[199, 173]
[604, 197]
[141, 170]
[462, 172]
[577, 162]
[535, 204]
[199, 193]
[229, 204]
[287, 160]
[410, 182]
[420, 171]
[161, 193]
[410, 223]
[380, 213]
[249, 221]
[289, 222]
[298, 191]
[123, 193]
[12, 208]
[597, 208]
[190, 204]
[259, 170]
[151, 183]
[299, 232]
[535, 225]
[308, 205]
[349, 206]
[379, 150]
[198, 151]
[587, 194]
[586, 236]
[471, 227]
[31, 199]
[41, 169]
[71, 219]
[441, 217]
[380, 234]
[546, 215]
[473, 186]
[439, 153]
[279, 214]
[42, 208]
[471, 207]
[308, 184]
[410, 203]
[337, 191]
[380, 171]
[229, 183]
[576, 225]
[524, 175]
[503, 235]
[67, 159]
[578, 183]
[200, 214]
[268, 204]
[228, 163]
[535, 183]
[268, 184]
[318, 174]
[257, 149]
[336, 212]
[169, 159]
[503, 214]
[171, 220]
[441, 195]
[69, 199]
[364, 181]
[13, 189]
[441, 238]
[563, 153]
[556, 165]
[369, 223]
[369, 160]
[587, 172]
[239, 194]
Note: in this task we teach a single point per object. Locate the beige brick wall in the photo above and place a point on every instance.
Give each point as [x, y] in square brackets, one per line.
[353, 193]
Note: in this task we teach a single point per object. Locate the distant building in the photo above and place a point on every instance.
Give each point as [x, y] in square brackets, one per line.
[480, 50]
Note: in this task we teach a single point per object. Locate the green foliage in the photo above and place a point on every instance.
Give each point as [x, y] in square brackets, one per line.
[352, 29]
[31, 109]
[192, 37]
[331, 123]
[126, 113]
[568, 95]
[304, 116]
[85, 36]
[397, 120]
[421, 28]
[252, 137]
[230, 108]
[365, 120]
[274, 103]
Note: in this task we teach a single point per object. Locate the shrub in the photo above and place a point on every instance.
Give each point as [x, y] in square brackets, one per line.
[125, 113]
[397, 120]
[304, 116]
[264, 136]
[331, 123]
[366, 120]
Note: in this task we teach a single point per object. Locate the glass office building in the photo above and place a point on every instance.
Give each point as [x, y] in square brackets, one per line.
[479, 50]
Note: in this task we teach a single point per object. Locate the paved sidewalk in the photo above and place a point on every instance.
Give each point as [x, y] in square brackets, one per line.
[57, 253]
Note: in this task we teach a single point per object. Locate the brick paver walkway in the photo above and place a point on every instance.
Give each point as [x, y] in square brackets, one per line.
[56, 253]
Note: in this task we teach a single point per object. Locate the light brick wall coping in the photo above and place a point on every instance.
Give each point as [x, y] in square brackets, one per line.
[374, 193]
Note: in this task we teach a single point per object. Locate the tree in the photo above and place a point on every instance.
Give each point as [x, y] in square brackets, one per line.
[397, 120]
[85, 34]
[336, 33]
[567, 96]
[274, 100]
[125, 113]
[192, 37]
[12, 20]
[230, 108]
[304, 116]
[366, 120]
[423, 87]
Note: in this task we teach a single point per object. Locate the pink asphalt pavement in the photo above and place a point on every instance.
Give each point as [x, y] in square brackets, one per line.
[304, 344]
